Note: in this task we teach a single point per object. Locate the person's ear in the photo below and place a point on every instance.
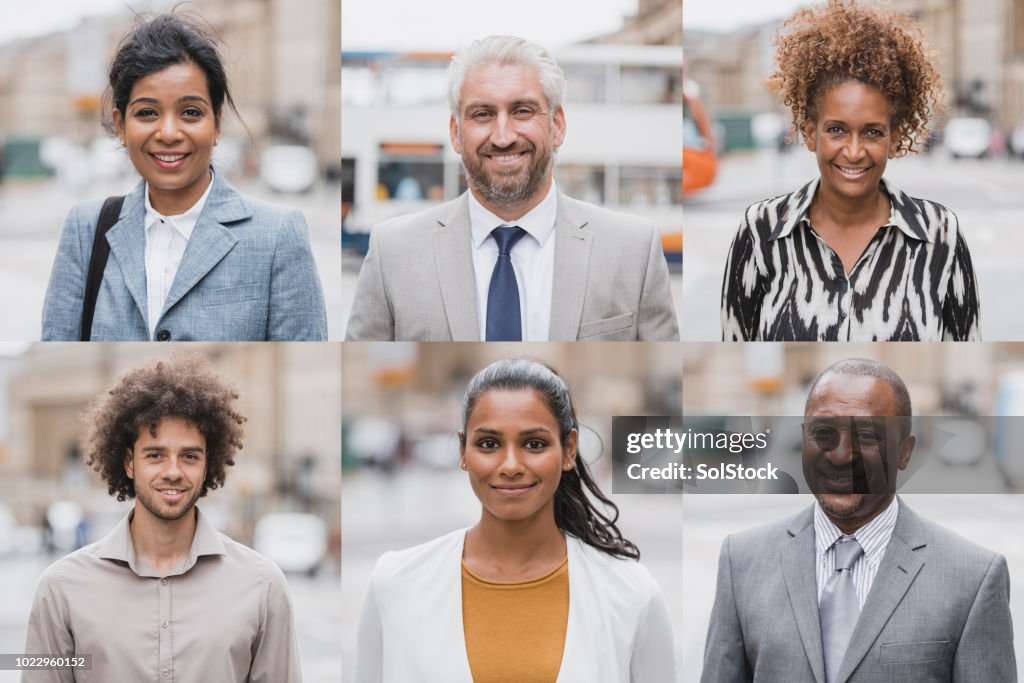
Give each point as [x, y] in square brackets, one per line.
[558, 127]
[453, 131]
[906, 450]
[569, 453]
[118, 118]
[129, 464]
[462, 449]
[810, 136]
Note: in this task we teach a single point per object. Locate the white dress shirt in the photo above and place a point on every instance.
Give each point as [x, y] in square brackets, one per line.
[166, 239]
[873, 537]
[533, 259]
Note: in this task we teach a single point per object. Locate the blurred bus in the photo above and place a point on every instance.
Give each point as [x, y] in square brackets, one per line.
[622, 146]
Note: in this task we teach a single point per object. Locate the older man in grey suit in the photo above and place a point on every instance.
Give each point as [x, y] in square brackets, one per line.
[858, 588]
[512, 259]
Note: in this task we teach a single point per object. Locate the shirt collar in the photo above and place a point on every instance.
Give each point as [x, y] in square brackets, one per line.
[117, 545]
[184, 223]
[873, 537]
[539, 222]
[905, 213]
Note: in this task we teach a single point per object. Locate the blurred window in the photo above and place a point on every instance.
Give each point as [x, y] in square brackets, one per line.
[357, 86]
[410, 171]
[581, 182]
[651, 85]
[650, 185]
[414, 83]
[586, 83]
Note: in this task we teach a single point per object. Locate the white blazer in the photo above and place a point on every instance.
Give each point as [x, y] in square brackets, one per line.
[411, 626]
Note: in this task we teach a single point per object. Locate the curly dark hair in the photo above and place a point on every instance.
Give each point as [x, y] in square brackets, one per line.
[185, 387]
[827, 45]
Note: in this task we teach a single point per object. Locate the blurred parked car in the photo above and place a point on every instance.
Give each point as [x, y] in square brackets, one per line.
[968, 137]
[296, 542]
[289, 168]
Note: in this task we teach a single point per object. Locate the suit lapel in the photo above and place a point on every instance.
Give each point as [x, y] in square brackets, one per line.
[453, 254]
[798, 555]
[572, 266]
[210, 240]
[900, 566]
[127, 240]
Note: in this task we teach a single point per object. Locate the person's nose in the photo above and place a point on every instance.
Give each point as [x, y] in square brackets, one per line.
[169, 129]
[854, 148]
[843, 453]
[503, 131]
[511, 464]
[172, 469]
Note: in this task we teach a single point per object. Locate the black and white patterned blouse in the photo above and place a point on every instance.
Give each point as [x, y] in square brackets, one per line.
[914, 281]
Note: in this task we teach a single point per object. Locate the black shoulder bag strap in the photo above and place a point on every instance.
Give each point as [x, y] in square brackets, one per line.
[109, 214]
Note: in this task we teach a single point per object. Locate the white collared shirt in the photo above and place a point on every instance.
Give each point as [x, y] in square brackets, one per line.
[533, 259]
[873, 537]
[166, 239]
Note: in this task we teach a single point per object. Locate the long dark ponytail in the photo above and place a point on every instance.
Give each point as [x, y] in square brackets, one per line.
[575, 514]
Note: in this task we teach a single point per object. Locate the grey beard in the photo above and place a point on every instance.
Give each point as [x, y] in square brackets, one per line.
[505, 194]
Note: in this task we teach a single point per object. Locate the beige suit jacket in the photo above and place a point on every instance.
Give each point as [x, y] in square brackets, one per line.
[611, 280]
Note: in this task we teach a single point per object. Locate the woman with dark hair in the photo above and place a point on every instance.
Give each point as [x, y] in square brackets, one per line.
[184, 256]
[543, 587]
[849, 257]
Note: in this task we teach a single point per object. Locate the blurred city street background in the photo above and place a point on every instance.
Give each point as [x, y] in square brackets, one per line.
[402, 485]
[991, 521]
[281, 497]
[623, 105]
[974, 163]
[283, 63]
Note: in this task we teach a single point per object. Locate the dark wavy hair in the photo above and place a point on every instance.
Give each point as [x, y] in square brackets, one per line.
[157, 43]
[184, 387]
[575, 514]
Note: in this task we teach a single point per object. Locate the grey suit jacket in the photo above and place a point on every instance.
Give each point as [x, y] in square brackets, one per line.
[247, 275]
[611, 281]
[938, 610]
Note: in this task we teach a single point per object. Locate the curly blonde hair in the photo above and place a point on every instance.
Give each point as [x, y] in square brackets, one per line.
[184, 387]
[827, 45]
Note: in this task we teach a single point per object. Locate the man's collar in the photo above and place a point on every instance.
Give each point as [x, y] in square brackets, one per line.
[117, 545]
[873, 536]
[538, 222]
[905, 213]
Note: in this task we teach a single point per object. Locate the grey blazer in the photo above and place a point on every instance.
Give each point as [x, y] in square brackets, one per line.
[247, 275]
[611, 281]
[938, 610]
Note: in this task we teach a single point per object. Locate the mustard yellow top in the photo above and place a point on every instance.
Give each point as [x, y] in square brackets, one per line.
[515, 632]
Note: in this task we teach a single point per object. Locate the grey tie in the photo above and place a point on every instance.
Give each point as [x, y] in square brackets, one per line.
[839, 606]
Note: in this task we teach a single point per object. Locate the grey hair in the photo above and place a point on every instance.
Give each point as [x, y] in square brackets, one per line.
[505, 51]
[864, 367]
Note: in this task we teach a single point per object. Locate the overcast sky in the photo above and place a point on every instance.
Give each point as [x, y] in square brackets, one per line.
[448, 24]
[726, 15]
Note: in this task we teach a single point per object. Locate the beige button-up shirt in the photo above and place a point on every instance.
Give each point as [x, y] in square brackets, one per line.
[223, 615]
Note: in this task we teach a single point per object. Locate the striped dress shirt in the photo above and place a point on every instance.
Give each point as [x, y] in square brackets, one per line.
[873, 538]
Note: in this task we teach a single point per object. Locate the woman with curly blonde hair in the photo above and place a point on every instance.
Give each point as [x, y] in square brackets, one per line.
[849, 257]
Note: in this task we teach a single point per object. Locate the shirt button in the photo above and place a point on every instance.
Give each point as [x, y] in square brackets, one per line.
[163, 335]
[163, 582]
[163, 625]
[165, 673]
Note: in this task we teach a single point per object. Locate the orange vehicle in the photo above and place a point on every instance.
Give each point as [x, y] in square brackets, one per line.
[700, 161]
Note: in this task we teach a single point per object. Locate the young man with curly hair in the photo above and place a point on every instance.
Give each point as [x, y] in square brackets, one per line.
[849, 257]
[165, 597]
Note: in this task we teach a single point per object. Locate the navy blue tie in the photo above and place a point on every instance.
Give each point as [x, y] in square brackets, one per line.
[503, 318]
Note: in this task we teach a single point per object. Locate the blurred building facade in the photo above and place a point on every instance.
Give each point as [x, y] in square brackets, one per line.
[282, 59]
[656, 22]
[980, 44]
[772, 379]
[288, 392]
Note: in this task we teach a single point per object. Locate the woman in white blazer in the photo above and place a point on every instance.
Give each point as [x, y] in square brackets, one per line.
[447, 611]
